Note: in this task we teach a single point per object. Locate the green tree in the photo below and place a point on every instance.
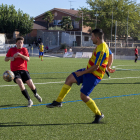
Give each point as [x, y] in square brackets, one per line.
[24, 22]
[11, 20]
[48, 17]
[56, 28]
[99, 15]
[66, 23]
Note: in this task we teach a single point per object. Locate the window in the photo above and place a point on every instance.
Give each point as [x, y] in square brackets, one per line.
[86, 38]
[56, 22]
[76, 24]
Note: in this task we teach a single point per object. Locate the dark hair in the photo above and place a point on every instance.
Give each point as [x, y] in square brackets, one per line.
[98, 33]
[19, 38]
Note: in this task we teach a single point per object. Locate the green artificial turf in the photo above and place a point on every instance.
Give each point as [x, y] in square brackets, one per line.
[73, 120]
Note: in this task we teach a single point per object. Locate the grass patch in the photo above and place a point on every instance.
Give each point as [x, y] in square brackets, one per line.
[73, 120]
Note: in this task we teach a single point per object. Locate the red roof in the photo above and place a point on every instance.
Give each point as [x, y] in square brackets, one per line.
[67, 11]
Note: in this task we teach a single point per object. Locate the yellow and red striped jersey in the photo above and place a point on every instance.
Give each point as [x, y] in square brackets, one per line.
[99, 57]
[41, 48]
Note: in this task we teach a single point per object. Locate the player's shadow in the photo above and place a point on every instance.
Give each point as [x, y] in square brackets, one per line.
[21, 124]
[12, 105]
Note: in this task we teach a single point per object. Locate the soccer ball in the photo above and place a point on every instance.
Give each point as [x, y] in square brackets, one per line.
[8, 76]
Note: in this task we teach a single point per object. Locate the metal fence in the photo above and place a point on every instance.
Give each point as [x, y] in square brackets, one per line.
[123, 44]
[54, 39]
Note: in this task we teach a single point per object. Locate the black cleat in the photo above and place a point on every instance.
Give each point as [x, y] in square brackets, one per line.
[54, 104]
[98, 118]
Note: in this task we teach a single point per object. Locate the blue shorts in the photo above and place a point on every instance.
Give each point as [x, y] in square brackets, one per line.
[41, 53]
[89, 81]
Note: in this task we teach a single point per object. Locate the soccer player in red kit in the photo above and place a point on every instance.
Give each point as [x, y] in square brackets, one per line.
[136, 54]
[19, 57]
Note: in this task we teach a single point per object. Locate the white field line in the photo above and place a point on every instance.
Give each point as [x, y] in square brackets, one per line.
[118, 67]
[45, 58]
[49, 83]
[121, 78]
[64, 81]
[123, 66]
[34, 83]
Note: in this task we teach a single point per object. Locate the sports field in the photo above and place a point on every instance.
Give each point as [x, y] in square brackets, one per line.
[118, 98]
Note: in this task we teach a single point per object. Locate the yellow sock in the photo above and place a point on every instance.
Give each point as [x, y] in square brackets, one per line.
[65, 89]
[91, 104]
[41, 58]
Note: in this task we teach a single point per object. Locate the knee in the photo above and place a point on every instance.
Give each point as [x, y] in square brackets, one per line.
[69, 80]
[84, 97]
[30, 84]
[20, 83]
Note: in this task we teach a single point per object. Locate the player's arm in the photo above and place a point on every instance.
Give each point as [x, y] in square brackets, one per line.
[9, 58]
[110, 61]
[91, 69]
[98, 62]
[24, 57]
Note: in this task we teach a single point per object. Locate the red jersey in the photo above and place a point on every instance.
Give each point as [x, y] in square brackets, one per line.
[18, 63]
[65, 50]
[136, 51]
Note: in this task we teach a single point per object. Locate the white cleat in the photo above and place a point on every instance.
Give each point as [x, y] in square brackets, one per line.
[38, 97]
[30, 103]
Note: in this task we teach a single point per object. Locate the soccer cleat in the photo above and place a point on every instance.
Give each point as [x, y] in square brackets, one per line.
[109, 77]
[38, 97]
[98, 118]
[30, 103]
[54, 104]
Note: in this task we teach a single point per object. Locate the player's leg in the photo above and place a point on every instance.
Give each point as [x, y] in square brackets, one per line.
[65, 89]
[33, 88]
[24, 91]
[41, 55]
[22, 88]
[18, 80]
[90, 103]
[89, 82]
[136, 57]
[106, 71]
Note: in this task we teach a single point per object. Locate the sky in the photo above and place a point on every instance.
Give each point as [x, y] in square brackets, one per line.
[37, 7]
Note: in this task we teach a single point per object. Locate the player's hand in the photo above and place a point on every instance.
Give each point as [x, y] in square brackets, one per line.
[111, 70]
[79, 73]
[16, 55]
[12, 58]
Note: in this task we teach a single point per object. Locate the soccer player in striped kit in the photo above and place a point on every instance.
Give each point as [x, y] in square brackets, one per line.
[41, 51]
[89, 76]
